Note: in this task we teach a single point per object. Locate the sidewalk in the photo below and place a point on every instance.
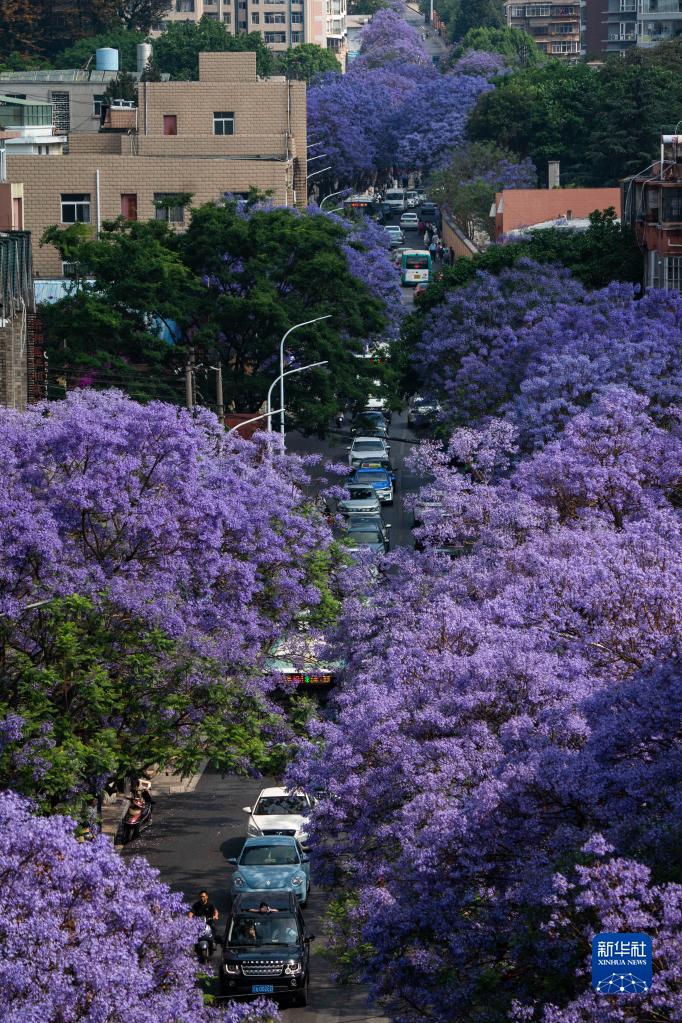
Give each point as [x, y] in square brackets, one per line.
[164, 783]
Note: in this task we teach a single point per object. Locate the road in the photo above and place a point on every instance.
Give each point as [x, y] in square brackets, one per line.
[193, 835]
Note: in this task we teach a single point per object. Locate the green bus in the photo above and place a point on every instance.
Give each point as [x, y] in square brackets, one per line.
[416, 267]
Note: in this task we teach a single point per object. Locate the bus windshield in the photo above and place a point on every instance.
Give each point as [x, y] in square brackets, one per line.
[416, 262]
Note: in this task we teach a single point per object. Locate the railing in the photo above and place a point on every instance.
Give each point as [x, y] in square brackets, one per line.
[661, 7]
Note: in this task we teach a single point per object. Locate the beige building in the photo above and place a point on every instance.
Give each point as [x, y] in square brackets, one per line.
[76, 96]
[555, 27]
[282, 23]
[226, 133]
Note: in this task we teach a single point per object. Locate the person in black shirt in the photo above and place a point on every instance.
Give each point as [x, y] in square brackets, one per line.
[202, 907]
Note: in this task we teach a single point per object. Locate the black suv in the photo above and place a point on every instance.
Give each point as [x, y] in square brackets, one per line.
[266, 949]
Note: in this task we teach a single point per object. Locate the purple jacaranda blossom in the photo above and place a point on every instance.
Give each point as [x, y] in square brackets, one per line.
[87, 935]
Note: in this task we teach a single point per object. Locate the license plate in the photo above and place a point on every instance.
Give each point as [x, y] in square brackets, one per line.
[262, 989]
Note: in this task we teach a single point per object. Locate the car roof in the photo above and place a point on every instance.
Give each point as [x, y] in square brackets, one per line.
[280, 791]
[377, 440]
[366, 469]
[269, 840]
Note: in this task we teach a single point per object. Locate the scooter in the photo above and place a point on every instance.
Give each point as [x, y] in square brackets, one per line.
[339, 419]
[205, 946]
[139, 814]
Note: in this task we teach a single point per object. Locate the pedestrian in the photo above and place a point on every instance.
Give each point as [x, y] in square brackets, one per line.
[427, 238]
[446, 256]
[439, 249]
[433, 249]
[421, 227]
[452, 256]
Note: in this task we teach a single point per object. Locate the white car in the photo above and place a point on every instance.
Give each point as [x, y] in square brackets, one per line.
[364, 448]
[395, 235]
[409, 221]
[361, 500]
[280, 811]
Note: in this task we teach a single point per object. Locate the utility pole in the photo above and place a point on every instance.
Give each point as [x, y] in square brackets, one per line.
[220, 406]
[189, 381]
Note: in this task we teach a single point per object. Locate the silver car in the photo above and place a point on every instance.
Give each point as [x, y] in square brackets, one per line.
[362, 500]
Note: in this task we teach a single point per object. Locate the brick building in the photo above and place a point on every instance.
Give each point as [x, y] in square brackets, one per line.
[652, 205]
[526, 207]
[228, 132]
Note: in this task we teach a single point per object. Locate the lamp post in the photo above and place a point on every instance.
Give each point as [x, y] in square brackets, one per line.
[332, 194]
[281, 366]
[264, 415]
[280, 378]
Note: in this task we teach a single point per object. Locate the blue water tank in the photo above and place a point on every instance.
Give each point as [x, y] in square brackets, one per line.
[106, 59]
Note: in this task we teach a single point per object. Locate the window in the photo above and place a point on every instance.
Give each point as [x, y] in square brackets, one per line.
[242, 5]
[129, 205]
[165, 209]
[75, 208]
[255, 18]
[70, 270]
[538, 11]
[296, 18]
[673, 273]
[274, 19]
[209, 3]
[518, 12]
[227, 18]
[170, 124]
[275, 37]
[61, 115]
[185, 6]
[567, 47]
[223, 123]
[297, 37]
[97, 101]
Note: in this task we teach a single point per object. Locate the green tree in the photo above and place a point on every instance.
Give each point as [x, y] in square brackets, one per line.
[467, 186]
[270, 270]
[132, 284]
[366, 6]
[123, 86]
[176, 52]
[103, 696]
[476, 14]
[306, 61]
[79, 53]
[513, 43]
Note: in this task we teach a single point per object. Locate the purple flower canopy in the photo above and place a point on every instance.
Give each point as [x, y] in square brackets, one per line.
[175, 522]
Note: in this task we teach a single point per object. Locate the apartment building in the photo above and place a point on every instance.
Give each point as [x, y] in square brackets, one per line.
[27, 128]
[555, 27]
[282, 23]
[657, 21]
[226, 133]
[76, 97]
[652, 205]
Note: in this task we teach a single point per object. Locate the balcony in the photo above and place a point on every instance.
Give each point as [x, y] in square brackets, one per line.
[660, 7]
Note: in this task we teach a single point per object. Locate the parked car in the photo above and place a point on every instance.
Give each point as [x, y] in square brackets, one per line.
[367, 447]
[423, 412]
[280, 811]
[368, 532]
[266, 948]
[361, 500]
[395, 235]
[409, 221]
[273, 861]
[379, 478]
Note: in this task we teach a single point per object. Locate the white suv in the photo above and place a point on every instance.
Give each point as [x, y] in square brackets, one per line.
[364, 448]
[280, 811]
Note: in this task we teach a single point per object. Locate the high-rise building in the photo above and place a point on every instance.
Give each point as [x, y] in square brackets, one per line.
[554, 26]
[282, 23]
[657, 21]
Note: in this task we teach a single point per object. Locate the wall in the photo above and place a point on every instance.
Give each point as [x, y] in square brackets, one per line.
[455, 239]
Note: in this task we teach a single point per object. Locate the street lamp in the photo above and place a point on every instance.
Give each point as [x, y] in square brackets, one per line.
[332, 194]
[315, 173]
[264, 415]
[281, 366]
[280, 378]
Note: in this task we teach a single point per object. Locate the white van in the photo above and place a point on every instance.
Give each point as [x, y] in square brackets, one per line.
[395, 199]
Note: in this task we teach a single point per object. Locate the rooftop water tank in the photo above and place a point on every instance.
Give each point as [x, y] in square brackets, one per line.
[106, 59]
[144, 52]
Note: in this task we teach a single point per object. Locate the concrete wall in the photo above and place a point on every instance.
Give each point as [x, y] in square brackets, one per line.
[13, 362]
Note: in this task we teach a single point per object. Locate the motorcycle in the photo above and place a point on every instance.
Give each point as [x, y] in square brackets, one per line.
[339, 419]
[138, 816]
[205, 946]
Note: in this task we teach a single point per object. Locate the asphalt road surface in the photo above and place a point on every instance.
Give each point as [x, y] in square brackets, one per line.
[192, 836]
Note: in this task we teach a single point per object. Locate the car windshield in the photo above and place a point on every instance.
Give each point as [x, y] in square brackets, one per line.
[280, 805]
[268, 856]
[365, 534]
[361, 493]
[375, 477]
[367, 445]
[256, 928]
